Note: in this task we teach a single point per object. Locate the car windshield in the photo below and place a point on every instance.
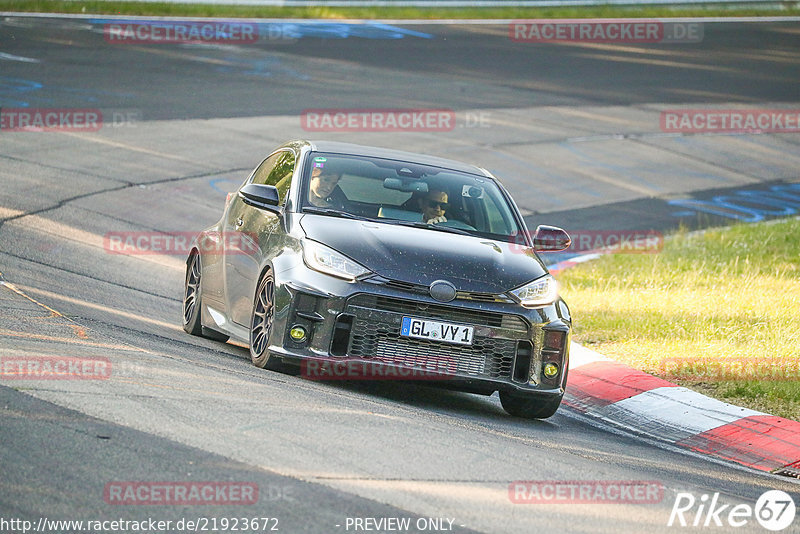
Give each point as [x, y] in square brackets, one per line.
[406, 193]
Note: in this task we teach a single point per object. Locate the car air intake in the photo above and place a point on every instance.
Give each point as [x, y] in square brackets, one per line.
[522, 363]
[341, 334]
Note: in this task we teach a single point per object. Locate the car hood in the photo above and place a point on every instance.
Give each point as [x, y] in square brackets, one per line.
[421, 256]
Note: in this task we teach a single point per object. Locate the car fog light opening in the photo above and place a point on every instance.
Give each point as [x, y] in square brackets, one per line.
[553, 355]
[298, 333]
[550, 370]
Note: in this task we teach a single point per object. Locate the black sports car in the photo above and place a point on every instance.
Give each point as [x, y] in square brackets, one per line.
[367, 263]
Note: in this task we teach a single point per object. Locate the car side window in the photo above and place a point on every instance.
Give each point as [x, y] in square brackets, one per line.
[277, 170]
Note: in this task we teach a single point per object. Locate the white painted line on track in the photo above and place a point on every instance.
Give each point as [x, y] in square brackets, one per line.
[12, 57]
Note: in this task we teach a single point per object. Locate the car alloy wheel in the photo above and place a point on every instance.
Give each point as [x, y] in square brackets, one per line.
[191, 298]
[261, 323]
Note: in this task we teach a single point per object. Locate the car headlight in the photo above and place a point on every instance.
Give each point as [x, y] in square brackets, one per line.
[537, 293]
[326, 260]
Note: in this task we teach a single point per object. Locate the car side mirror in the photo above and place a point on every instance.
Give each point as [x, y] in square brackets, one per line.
[550, 239]
[265, 197]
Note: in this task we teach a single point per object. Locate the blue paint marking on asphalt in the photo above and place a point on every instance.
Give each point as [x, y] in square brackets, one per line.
[265, 67]
[335, 30]
[401, 32]
[717, 207]
[13, 88]
[11, 103]
[91, 95]
[213, 183]
[293, 30]
[747, 205]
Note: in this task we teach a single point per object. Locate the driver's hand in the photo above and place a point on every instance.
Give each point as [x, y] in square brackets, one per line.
[436, 220]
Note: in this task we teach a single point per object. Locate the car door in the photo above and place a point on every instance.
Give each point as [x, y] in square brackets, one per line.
[247, 233]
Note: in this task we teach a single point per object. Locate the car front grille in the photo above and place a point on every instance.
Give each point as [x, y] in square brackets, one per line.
[376, 336]
[440, 311]
[460, 295]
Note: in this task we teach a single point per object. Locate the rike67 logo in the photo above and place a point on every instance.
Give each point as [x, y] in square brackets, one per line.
[774, 510]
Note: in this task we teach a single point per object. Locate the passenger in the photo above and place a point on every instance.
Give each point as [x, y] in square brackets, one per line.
[433, 205]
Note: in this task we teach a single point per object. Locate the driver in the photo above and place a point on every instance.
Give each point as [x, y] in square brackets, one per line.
[433, 205]
[322, 186]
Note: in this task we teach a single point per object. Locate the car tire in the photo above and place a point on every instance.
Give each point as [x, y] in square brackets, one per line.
[529, 406]
[261, 321]
[192, 296]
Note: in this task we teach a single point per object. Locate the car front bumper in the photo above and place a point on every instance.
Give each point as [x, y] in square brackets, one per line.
[349, 324]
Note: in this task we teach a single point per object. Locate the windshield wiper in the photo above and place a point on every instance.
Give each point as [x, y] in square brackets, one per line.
[419, 224]
[329, 211]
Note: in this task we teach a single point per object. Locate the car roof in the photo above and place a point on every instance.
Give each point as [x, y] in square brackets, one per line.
[388, 153]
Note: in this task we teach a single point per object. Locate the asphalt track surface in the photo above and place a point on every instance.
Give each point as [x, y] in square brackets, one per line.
[570, 128]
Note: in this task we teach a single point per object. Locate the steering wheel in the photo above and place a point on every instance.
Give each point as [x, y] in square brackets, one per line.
[455, 223]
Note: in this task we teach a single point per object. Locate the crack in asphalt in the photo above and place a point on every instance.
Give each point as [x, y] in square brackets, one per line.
[65, 201]
[57, 168]
[90, 277]
[128, 221]
[733, 170]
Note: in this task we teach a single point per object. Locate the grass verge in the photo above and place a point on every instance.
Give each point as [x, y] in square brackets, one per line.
[231, 11]
[717, 312]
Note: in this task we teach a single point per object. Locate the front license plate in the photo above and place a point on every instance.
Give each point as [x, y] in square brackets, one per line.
[436, 331]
